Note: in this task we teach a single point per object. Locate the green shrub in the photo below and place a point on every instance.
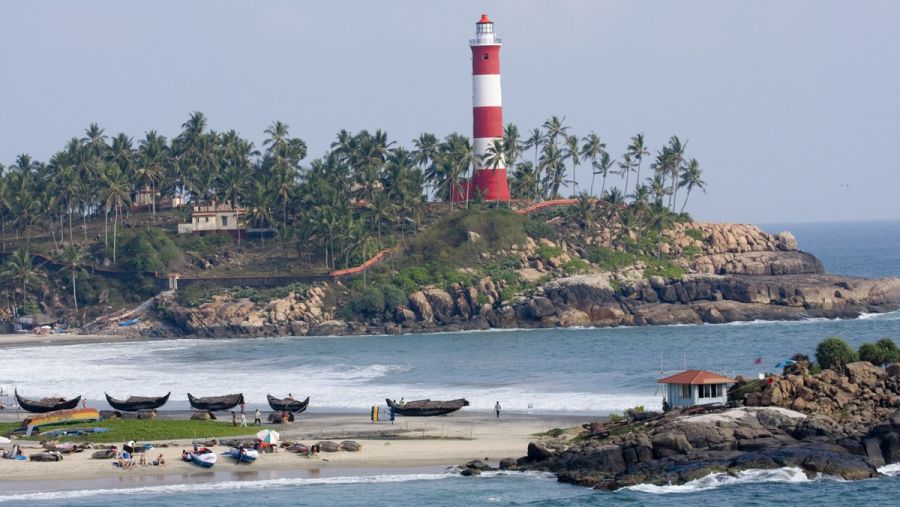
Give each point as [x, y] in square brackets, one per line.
[664, 268]
[834, 353]
[691, 251]
[369, 303]
[283, 291]
[482, 299]
[695, 234]
[575, 266]
[149, 249]
[538, 229]
[884, 351]
[548, 252]
[610, 259]
[393, 297]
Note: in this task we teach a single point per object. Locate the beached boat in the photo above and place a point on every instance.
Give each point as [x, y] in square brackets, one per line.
[135, 403]
[424, 408]
[203, 457]
[242, 455]
[46, 404]
[77, 415]
[287, 404]
[216, 403]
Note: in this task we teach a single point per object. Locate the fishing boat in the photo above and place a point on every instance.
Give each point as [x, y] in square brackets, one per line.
[77, 415]
[425, 408]
[203, 457]
[46, 404]
[135, 403]
[287, 404]
[216, 403]
[242, 455]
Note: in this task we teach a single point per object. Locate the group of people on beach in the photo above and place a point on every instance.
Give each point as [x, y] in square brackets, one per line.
[125, 457]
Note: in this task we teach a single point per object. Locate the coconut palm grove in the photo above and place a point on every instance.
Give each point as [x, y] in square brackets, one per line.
[74, 227]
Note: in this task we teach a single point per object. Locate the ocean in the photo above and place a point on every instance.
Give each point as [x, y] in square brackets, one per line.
[576, 371]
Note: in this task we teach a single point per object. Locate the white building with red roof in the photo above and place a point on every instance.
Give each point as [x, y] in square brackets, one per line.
[696, 387]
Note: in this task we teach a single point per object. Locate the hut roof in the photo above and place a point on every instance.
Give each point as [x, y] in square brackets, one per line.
[695, 377]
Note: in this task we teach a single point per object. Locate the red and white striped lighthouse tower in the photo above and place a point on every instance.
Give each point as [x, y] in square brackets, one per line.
[487, 112]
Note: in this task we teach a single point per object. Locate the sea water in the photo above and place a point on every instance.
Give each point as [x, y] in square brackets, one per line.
[591, 371]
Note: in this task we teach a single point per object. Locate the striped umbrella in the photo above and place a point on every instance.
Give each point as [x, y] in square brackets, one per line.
[268, 436]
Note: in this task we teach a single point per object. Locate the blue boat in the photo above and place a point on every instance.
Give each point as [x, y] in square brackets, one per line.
[242, 455]
[203, 457]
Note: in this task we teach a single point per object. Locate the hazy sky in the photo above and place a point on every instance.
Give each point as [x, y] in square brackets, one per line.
[782, 102]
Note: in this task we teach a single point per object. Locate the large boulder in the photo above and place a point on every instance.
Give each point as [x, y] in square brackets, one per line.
[420, 305]
[442, 304]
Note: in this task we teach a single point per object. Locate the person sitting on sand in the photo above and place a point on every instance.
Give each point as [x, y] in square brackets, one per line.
[185, 456]
[143, 461]
[159, 461]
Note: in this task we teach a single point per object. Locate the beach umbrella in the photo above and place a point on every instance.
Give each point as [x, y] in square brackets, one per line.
[268, 436]
[786, 363]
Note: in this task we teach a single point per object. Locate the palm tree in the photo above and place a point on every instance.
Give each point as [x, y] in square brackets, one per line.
[584, 210]
[571, 153]
[625, 168]
[592, 147]
[74, 258]
[553, 166]
[426, 149]
[524, 181]
[534, 140]
[675, 163]
[512, 145]
[555, 128]
[21, 269]
[637, 150]
[232, 185]
[691, 178]
[603, 167]
[116, 195]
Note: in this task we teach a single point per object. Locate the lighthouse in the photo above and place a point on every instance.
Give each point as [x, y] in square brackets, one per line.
[489, 178]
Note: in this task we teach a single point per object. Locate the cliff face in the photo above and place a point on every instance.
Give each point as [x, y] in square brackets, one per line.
[725, 273]
[848, 426]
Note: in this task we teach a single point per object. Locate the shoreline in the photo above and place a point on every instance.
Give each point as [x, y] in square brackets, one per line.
[411, 444]
[18, 340]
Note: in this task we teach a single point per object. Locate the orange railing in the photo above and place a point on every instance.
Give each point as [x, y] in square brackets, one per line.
[362, 267]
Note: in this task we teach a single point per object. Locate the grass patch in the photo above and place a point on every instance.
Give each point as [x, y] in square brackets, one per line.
[548, 252]
[610, 259]
[664, 268]
[691, 251]
[123, 430]
[576, 266]
[695, 234]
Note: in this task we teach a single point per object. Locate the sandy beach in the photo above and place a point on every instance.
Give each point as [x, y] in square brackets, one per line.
[409, 443]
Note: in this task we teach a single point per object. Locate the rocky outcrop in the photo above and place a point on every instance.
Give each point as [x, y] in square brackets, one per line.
[843, 425]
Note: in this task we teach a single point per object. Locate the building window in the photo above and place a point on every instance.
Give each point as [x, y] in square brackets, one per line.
[206, 219]
[711, 391]
[686, 391]
[224, 221]
[484, 56]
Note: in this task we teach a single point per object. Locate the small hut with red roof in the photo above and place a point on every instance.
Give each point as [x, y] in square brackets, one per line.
[696, 387]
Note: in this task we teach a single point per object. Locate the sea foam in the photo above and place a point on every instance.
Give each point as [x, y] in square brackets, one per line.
[718, 480]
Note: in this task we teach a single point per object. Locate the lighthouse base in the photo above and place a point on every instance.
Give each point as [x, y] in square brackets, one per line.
[486, 185]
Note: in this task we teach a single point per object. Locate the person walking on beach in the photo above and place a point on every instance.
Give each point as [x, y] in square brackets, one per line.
[243, 420]
[497, 409]
[257, 421]
[233, 419]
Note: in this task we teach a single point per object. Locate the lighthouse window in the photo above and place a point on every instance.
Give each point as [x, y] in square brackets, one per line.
[484, 56]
